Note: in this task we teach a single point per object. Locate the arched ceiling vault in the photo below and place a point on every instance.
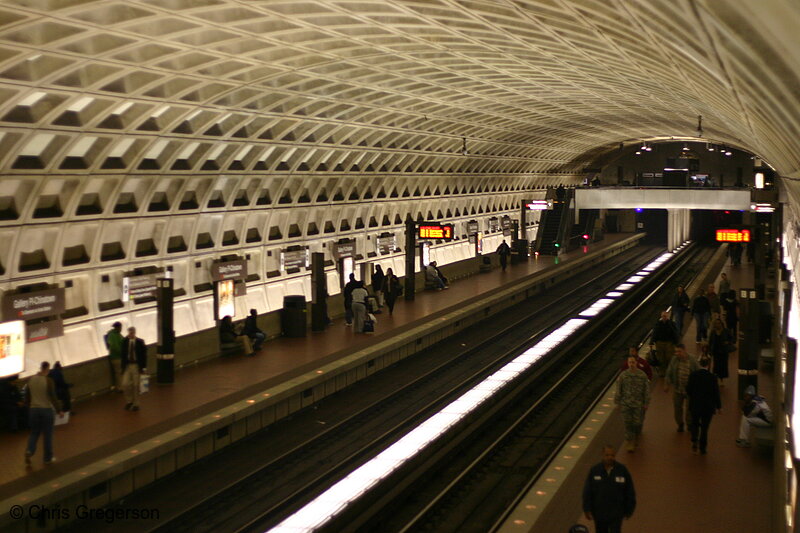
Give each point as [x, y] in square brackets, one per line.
[126, 86]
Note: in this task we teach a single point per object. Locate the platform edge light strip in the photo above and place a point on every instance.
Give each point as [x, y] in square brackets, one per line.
[335, 499]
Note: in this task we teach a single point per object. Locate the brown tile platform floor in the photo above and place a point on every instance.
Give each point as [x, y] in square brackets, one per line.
[102, 427]
[729, 490]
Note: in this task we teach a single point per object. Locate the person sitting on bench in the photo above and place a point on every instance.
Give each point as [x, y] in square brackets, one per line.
[755, 413]
[432, 278]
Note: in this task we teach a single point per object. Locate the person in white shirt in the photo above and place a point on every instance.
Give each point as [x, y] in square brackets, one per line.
[359, 306]
[755, 412]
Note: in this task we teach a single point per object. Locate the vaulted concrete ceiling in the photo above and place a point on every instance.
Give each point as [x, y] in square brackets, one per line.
[122, 86]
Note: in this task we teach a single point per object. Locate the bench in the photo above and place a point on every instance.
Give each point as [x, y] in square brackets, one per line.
[763, 436]
[242, 345]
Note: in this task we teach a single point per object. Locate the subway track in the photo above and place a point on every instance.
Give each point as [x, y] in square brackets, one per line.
[471, 487]
[257, 481]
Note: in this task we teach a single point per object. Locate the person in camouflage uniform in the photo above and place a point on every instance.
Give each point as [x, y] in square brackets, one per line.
[633, 395]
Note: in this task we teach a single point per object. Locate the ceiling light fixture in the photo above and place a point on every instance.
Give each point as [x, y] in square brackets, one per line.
[710, 147]
[685, 148]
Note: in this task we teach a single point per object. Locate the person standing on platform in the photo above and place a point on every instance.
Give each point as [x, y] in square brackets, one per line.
[359, 306]
[503, 251]
[704, 400]
[62, 387]
[641, 363]
[680, 304]
[720, 345]
[42, 403]
[680, 368]
[755, 412]
[348, 299]
[633, 396]
[731, 307]
[253, 332]
[391, 289]
[378, 279]
[701, 311]
[608, 494]
[713, 301]
[665, 337]
[134, 364]
[724, 285]
[114, 344]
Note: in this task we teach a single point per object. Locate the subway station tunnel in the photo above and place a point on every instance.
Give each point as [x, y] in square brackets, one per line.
[166, 137]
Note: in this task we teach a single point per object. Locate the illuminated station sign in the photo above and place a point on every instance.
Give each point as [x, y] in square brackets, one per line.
[539, 205]
[435, 231]
[733, 235]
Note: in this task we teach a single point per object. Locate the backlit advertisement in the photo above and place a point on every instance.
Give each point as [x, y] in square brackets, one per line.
[12, 348]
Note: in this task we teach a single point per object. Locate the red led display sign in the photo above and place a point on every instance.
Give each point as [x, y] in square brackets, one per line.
[435, 231]
[733, 235]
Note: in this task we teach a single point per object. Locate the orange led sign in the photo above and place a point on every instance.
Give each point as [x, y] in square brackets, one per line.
[733, 235]
[435, 231]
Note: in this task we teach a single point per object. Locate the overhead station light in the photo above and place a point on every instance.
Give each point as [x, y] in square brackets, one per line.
[333, 501]
[762, 208]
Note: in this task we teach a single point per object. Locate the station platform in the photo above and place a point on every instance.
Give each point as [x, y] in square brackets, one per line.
[731, 489]
[106, 452]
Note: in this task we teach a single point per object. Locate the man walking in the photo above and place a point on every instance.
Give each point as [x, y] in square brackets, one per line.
[114, 344]
[42, 402]
[633, 396]
[133, 364]
[503, 251]
[680, 304]
[703, 392]
[608, 494]
[681, 366]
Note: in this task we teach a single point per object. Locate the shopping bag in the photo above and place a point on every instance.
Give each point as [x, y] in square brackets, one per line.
[62, 418]
[144, 383]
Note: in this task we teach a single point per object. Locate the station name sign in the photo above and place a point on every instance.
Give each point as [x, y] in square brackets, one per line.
[236, 270]
[435, 231]
[733, 235]
[33, 305]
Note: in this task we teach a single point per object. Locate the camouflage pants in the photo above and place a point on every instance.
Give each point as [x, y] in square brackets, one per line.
[633, 418]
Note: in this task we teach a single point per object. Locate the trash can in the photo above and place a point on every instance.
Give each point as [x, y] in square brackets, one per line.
[293, 316]
[486, 263]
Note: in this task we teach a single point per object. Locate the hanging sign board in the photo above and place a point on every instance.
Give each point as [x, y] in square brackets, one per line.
[494, 224]
[139, 287]
[32, 305]
[12, 348]
[435, 231]
[386, 244]
[344, 249]
[41, 331]
[539, 205]
[506, 223]
[222, 271]
[295, 259]
[472, 227]
[733, 235]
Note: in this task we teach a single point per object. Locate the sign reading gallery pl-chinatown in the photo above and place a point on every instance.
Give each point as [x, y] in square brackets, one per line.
[386, 244]
[224, 270]
[344, 249]
[33, 305]
[473, 227]
[435, 231]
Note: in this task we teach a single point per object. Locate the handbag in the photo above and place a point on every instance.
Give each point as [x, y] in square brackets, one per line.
[144, 383]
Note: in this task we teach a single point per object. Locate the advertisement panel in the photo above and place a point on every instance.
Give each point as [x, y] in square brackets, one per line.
[12, 348]
[225, 299]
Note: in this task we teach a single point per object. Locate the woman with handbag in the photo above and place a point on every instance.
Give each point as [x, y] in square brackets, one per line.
[720, 345]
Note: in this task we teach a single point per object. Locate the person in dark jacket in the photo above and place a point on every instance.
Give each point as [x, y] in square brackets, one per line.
[227, 333]
[391, 289]
[253, 332]
[680, 304]
[11, 402]
[348, 299]
[608, 494]
[133, 363]
[720, 345]
[378, 278]
[503, 251]
[701, 311]
[62, 387]
[731, 307]
[665, 337]
[704, 400]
